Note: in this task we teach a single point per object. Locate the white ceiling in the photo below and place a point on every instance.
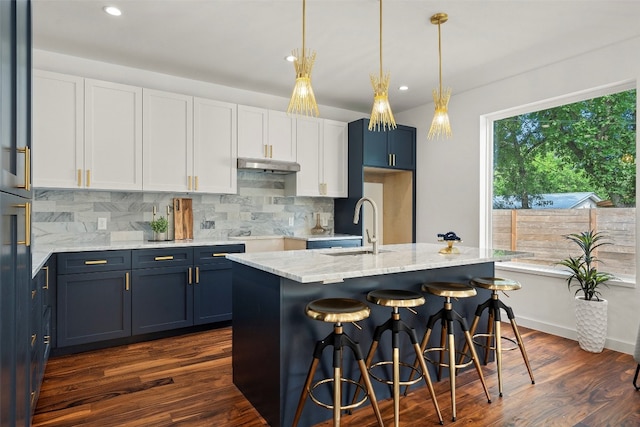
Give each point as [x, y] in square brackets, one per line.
[242, 43]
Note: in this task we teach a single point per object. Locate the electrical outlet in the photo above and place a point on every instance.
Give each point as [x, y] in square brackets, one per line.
[291, 221]
[102, 223]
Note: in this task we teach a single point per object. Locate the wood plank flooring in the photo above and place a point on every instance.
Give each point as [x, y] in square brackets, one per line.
[187, 381]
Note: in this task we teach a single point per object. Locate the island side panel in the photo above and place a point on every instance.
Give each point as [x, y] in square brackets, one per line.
[299, 333]
[256, 339]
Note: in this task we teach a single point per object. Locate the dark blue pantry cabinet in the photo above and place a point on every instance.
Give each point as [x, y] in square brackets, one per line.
[113, 295]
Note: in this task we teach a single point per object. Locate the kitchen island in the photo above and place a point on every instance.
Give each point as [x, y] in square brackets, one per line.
[273, 339]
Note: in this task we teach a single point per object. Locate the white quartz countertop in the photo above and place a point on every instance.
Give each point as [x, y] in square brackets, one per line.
[323, 265]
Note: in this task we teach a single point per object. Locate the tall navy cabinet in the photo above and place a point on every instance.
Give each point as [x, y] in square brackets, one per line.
[387, 158]
[15, 208]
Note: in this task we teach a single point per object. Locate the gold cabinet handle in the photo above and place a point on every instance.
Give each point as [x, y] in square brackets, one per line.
[46, 277]
[221, 254]
[189, 182]
[34, 337]
[189, 281]
[389, 159]
[271, 151]
[33, 294]
[88, 183]
[95, 262]
[79, 178]
[266, 150]
[27, 167]
[126, 281]
[197, 275]
[27, 224]
[164, 258]
[394, 159]
[196, 183]
[47, 339]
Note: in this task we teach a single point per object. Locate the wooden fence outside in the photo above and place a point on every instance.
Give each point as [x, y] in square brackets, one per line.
[542, 232]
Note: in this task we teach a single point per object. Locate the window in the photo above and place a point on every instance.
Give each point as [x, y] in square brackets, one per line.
[563, 167]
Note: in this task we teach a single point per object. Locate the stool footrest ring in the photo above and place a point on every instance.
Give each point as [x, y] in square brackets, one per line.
[493, 346]
[342, 380]
[402, 364]
[465, 360]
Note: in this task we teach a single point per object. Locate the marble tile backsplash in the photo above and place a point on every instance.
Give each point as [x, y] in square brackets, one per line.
[259, 208]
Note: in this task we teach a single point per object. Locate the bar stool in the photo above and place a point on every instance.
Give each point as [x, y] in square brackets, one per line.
[337, 311]
[447, 316]
[494, 336]
[397, 299]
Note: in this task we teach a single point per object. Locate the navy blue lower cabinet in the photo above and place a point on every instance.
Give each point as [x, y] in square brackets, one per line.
[212, 288]
[93, 307]
[162, 299]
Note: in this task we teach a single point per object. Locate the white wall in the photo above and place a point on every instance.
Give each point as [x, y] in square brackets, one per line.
[453, 167]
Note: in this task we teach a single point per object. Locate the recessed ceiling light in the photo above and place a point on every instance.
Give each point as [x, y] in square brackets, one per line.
[112, 10]
[290, 58]
[403, 87]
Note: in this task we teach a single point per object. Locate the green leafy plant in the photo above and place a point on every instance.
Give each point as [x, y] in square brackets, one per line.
[160, 225]
[586, 276]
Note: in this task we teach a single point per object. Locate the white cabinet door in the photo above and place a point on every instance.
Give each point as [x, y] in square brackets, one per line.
[281, 141]
[252, 132]
[113, 136]
[58, 142]
[214, 146]
[334, 158]
[309, 138]
[167, 141]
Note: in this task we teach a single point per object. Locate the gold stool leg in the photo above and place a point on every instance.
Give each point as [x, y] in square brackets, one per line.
[474, 355]
[443, 339]
[427, 380]
[372, 394]
[337, 396]
[396, 387]
[372, 350]
[522, 349]
[423, 346]
[452, 373]
[472, 330]
[305, 391]
[498, 345]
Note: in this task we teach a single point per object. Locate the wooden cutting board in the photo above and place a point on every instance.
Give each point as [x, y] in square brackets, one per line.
[183, 218]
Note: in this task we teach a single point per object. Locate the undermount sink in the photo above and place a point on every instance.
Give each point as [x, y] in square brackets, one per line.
[353, 252]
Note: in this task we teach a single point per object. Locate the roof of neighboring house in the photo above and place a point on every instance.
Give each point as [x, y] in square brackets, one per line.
[549, 201]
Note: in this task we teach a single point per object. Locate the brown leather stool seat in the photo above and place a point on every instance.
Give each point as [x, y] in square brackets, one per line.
[337, 311]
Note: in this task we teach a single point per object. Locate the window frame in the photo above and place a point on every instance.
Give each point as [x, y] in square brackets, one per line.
[486, 166]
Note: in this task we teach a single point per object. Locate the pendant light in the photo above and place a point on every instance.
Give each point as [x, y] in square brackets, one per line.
[381, 115]
[440, 126]
[303, 101]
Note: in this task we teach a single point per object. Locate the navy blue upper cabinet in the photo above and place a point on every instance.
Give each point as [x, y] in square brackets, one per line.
[390, 149]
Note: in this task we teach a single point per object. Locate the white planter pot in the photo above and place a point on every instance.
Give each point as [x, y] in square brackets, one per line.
[591, 324]
[160, 236]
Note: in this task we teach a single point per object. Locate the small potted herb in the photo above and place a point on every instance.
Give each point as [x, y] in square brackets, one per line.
[159, 227]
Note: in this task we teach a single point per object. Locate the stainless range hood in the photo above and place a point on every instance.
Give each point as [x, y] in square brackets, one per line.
[268, 165]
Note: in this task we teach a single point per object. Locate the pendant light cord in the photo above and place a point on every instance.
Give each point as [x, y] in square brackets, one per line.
[304, 13]
[380, 39]
[440, 57]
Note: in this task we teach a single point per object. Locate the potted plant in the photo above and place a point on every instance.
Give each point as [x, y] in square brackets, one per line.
[159, 227]
[591, 309]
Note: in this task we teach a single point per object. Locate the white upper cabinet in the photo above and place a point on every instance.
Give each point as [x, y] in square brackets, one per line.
[265, 133]
[214, 146]
[87, 133]
[58, 130]
[167, 141]
[113, 136]
[282, 136]
[323, 158]
[335, 159]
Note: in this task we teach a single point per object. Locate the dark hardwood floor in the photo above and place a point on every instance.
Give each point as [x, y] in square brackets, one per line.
[186, 381]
